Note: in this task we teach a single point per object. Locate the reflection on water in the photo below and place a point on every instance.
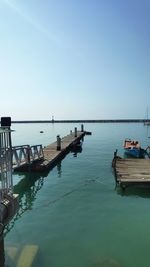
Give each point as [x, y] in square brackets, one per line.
[147, 130]
[59, 169]
[27, 189]
[18, 256]
[77, 148]
[136, 191]
[30, 184]
[75, 217]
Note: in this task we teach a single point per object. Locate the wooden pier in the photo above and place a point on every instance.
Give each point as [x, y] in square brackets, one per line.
[131, 171]
[53, 153]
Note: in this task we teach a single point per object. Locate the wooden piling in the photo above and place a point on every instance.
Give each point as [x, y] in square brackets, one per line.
[75, 132]
[58, 143]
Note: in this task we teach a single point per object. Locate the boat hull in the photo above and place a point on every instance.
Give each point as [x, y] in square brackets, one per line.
[134, 152]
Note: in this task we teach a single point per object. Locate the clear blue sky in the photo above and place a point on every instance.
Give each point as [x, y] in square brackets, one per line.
[74, 59]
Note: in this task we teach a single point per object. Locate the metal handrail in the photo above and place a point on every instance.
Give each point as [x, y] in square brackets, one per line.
[26, 154]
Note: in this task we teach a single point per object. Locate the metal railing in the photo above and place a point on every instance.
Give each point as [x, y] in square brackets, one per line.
[26, 154]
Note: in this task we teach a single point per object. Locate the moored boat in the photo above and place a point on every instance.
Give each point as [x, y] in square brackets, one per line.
[147, 120]
[133, 148]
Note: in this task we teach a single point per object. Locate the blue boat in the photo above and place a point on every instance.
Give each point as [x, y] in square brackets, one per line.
[133, 149]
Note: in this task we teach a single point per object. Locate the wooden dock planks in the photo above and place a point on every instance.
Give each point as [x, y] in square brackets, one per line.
[51, 154]
[131, 171]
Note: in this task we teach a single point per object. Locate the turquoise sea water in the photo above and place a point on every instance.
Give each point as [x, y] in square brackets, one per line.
[74, 213]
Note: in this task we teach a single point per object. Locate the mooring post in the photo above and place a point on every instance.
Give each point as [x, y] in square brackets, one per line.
[71, 132]
[114, 159]
[75, 131]
[82, 128]
[58, 142]
[115, 153]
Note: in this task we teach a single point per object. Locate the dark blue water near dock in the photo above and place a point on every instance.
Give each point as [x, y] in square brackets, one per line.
[74, 214]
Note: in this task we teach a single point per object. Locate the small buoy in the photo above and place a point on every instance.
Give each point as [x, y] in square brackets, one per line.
[41, 132]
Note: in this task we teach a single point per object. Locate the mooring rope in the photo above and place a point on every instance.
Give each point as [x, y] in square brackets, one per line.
[86, 183]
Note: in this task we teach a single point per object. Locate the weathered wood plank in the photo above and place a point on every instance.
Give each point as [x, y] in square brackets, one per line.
[132, 164]
[134, 176]
[128, 181]
[133, 173]
[132, 170]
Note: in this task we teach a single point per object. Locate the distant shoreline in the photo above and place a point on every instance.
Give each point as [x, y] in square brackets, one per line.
[83, 121]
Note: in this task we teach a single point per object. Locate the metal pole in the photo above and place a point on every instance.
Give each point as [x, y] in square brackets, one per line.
[28, 155]
[10, 155]
[2, 253]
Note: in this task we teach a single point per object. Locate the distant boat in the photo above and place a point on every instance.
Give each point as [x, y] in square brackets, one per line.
[133, 149]
[147, 120]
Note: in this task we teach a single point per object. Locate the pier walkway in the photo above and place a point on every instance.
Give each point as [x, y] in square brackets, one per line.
[50, 154]
[131, 171]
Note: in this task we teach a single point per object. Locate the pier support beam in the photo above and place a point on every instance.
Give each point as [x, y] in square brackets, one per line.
[2, 253]
[8, 208]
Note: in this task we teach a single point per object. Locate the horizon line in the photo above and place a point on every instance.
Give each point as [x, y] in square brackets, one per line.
[80, 121]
